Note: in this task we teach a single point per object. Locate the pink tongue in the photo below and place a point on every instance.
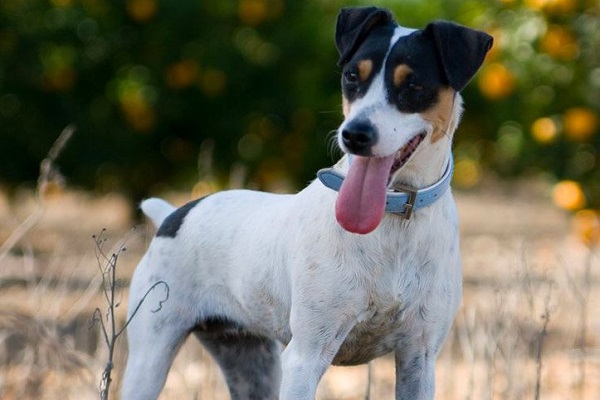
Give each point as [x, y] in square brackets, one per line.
[361, 202]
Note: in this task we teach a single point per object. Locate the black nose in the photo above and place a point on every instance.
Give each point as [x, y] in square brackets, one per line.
[359, 137]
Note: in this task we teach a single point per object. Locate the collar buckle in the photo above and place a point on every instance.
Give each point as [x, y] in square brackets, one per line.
[409, 204]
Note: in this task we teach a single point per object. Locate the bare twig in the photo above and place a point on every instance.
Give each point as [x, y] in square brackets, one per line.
[47, 172]
[110, 332]
[541, 335]
[581, 291]
[466, 331]
[369, 380]
[540, 342]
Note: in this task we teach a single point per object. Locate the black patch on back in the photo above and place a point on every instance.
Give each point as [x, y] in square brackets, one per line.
[172, 223]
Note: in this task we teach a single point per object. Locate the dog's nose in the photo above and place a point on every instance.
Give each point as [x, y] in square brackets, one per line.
[359, 137]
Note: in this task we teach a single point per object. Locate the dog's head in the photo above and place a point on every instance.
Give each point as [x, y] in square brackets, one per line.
[401, 104]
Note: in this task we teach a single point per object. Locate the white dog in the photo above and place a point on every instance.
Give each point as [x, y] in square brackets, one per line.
[338, 278]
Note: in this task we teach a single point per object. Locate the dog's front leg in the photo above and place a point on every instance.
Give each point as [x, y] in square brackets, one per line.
[304, 362]
[415, 374]
[319, 327]
[302, 370]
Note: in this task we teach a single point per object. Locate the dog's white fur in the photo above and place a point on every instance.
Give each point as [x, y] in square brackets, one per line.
[282, 267]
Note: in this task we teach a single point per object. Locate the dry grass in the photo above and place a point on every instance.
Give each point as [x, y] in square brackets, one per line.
[529, 327]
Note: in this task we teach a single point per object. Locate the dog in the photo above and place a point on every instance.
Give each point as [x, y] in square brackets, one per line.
[363, 262]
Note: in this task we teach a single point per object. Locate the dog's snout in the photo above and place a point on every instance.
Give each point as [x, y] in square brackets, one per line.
[359, 137]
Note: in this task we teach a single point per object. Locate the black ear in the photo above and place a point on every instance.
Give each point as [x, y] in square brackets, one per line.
[461, 49]
[353, 25]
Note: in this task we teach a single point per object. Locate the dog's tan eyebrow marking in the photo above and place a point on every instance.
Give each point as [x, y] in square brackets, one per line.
[365, 67]
[439, 115]
[401, 72]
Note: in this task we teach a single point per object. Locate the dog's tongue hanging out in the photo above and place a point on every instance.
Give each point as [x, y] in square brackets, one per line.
[361, 201]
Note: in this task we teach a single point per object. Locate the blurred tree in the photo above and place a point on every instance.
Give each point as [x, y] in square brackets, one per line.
[149, 81]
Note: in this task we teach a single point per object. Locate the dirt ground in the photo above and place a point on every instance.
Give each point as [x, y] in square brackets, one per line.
[529, 327]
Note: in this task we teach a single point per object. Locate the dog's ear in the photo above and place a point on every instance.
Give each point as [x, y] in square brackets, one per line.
[461, 49]
[353, 25]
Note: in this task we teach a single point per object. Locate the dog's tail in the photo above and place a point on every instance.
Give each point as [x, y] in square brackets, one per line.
[157, 210]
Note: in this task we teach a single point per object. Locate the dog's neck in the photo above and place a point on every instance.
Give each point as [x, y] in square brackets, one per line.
[401, 199]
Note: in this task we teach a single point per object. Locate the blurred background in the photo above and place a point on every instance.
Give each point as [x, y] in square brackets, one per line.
[252, 85]
[181, 98]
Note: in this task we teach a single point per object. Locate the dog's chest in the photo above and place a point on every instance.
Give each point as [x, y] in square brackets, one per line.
[380, 334]
[402, 303]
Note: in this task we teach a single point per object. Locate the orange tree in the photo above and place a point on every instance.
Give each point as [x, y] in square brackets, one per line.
[538, 102]
[148, 81]
[543, 79]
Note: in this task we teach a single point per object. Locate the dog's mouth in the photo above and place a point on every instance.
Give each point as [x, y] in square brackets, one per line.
[403, 155]
[362, 200]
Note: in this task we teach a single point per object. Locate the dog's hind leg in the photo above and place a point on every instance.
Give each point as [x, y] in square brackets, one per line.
[250, 363]
[159, 321]
[152, 349]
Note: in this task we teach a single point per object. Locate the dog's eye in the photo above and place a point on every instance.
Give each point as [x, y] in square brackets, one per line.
[350, 77]
[415, 87]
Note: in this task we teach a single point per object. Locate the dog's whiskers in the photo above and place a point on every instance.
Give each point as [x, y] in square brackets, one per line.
[333, 149]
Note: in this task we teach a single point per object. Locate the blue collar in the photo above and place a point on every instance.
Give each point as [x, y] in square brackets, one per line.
[402, 200]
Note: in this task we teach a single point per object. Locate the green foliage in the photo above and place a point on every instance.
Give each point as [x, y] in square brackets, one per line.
[541, 87]
[147, 82]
